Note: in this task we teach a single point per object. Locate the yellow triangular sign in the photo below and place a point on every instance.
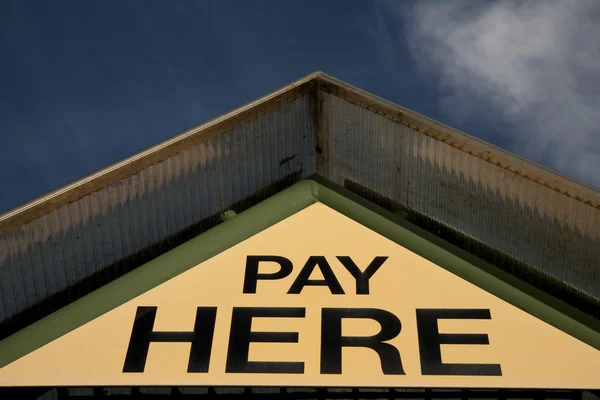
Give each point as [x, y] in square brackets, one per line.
[315, 300]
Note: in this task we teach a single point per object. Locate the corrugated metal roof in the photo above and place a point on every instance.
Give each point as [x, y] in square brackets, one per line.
[509, 212]
[63, 245]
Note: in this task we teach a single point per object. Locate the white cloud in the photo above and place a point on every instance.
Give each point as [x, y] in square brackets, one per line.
[536, 62]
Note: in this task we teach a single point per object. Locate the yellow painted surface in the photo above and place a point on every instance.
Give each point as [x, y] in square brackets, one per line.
[532, 354]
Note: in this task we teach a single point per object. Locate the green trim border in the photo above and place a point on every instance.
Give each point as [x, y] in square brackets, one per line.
[174, 262]
[273, 210]
[465, 265]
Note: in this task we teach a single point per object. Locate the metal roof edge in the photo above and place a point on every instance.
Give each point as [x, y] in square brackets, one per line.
[460, 140]
[457, 139]
[73, 191]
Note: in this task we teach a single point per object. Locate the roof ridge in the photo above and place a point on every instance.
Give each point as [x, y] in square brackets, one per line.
[460, 140]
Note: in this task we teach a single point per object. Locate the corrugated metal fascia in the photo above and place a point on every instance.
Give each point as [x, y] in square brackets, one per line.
[155, 154]
[462, 141]
[79, 246]
[553, 233]
[75, 232]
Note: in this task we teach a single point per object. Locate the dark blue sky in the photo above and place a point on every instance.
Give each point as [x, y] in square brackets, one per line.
[86, 83]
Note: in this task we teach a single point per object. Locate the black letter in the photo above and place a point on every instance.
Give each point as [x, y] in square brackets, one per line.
[362, 278]
[329, 281]
[332, 340]
[430, 340]
[252, 274]
[142, 334]
[241, 336]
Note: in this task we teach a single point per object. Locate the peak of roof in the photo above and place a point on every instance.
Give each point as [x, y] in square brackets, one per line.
[313, 83]
[315, 125]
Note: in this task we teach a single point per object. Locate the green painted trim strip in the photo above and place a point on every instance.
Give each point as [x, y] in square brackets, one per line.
[159, 270]
[493, 280]
[268, 213]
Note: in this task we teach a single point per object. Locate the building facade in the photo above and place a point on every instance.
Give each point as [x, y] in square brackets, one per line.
[227, 259]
